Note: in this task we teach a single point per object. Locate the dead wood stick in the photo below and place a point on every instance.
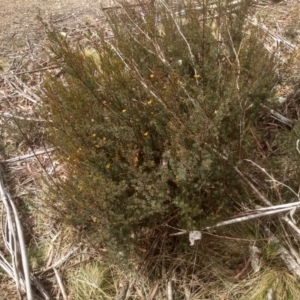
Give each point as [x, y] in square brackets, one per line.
[26, 156]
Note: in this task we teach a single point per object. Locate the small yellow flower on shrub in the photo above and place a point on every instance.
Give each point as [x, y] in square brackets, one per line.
[124, 111]
[196, 76]
[149, 102]
[94, 134]
[97, 146]
[146, 133]
[107, 166]
[152, 75]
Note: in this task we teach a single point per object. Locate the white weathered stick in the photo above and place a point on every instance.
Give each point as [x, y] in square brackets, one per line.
[252, 216]
[10, 116]
[62, 260]
[60, 284]
[170, 290]
[26, 156]
[14, 228]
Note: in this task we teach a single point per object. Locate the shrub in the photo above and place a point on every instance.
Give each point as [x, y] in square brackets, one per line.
[150, 122]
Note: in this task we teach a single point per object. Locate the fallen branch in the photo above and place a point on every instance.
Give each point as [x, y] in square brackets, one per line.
[61, 260]
[14, 241]
[8, 115]
[60, 284]
[26, 156]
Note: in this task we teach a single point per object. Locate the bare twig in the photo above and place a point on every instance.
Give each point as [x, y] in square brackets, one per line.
[254, 214]
[60, 284]
[14, 240]
[275, 181]
[8, 115]
[26, 156]
[278, 39]
[268, 203]
[170, 290]
[36, 70]
[22, 89]
[153, 292]
[61, 260]
[123, 293]
[248, 262]
[277, 116]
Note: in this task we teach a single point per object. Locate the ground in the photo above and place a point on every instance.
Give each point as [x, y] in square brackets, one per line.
[18, 18]
[22, 37]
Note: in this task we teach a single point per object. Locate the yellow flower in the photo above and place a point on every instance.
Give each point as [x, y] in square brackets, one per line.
[104, 138]
[149, 102]
[124, 111]
[107, 166]
[97, 146]
[135, 159]
[196, 76]
[94, 134]
[94, 219]
[146, 133]
[152, 75]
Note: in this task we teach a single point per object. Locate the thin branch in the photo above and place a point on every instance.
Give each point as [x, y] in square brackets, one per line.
[268, 203]
[272, 178]
[60, 284]
[170, 290]
[20, 264]
[61, 260]
[26, 156]
[8, 115]
[253, 215]
[36, 70]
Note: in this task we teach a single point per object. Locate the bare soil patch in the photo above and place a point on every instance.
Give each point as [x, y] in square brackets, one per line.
[21, 31]
[18, 18]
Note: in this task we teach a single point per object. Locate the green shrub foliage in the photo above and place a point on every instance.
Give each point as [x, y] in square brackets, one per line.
[150, 122]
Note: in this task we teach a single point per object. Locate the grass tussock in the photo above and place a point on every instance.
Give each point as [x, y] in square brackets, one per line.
[92, 281]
